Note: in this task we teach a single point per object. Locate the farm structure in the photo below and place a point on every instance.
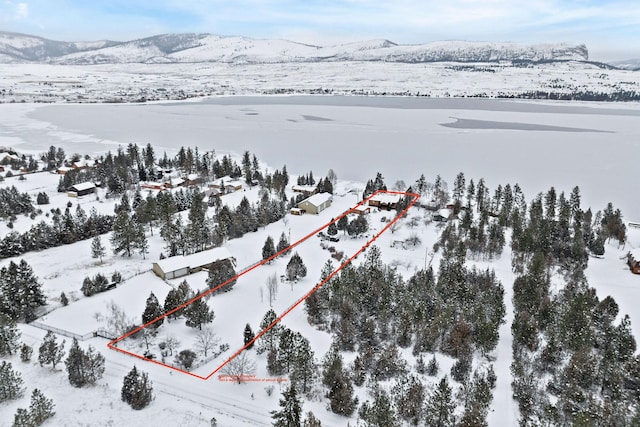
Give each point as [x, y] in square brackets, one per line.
[316, 203]
[181, 265]
[82, 189]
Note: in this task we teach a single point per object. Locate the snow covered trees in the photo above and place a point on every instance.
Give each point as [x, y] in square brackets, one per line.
[84, 367]
[152, 311]
[295, 268]
[128, 235]
[248, 336]
[10, 382]
[290, 414]
[137, 389]
[40, 410]
[283, 244]
[198, 313]
[20, 292]
[9, 336]
[220, 272]
[268, 250]
[50, 351]
[97, 249]
[239, 367]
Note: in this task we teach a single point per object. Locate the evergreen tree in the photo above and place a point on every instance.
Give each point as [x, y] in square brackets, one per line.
[84, 367]
[440, 406]
[283, 244]
[248, 336]
[20, 291]
[137, 389]
[296, 268]
[50, 351]
[268, 250]
[358, 226]
[381, 412]
[197, 229]
[290, 414]
[152, 311]
[268, 341]
[10, 382]
[124, 234]
[198, 313]
[220, 272]
[22, 418]
[174, 300]
[97, 250]
[25, 353]
[41, 408]
[9, 336]
[63, 299]
[332, 230]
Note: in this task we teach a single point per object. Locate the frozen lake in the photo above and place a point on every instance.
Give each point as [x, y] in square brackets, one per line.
[536, 144]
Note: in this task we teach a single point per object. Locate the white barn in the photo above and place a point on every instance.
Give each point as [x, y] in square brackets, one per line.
[180, 265]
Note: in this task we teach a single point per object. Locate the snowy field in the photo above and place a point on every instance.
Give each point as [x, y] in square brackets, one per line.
[400, 137]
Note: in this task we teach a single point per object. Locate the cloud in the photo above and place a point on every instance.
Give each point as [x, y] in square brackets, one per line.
[11, 11]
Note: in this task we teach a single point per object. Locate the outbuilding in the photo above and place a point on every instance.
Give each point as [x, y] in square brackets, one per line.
[181, 265]
[82, 189]
[386, 201]
[633, 260]
[316, 203]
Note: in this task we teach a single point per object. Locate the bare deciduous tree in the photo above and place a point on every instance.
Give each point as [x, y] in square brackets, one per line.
[272, 288]
[115, 321]
[172, 344]
[239, 367]
[206, 340]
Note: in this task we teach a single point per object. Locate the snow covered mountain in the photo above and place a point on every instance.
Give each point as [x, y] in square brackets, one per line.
[15, 47]
[199, 48]
[629, 64]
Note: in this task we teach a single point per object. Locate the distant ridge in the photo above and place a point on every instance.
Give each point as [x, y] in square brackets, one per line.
[197, 48]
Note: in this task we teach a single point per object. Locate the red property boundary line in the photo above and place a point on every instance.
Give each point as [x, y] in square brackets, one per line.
[113, 344]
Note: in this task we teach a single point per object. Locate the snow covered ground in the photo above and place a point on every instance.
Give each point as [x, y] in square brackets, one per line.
[140, 82]
[356, 141]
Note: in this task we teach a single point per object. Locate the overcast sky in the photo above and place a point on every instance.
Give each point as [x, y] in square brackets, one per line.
[609, 28]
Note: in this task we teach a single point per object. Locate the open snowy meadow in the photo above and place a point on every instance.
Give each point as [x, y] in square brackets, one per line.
[535, 144]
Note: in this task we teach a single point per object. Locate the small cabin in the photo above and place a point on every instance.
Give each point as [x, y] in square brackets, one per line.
[633, 260]
[82, 189]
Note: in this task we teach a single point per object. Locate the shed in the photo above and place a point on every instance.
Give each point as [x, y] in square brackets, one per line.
[307, 190]
[82, 189]
[316, 203]
[633, 260]
[362, 209]
[181, 265]
[442, 215]
[296, 211]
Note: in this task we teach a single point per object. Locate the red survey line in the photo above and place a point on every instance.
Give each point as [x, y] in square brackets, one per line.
[112, 344]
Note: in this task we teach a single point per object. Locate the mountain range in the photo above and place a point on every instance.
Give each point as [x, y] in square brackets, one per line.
[198, 48]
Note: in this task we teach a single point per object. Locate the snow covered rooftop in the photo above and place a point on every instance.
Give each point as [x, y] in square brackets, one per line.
[386, 198]
[318, 199]
[198, 259]
[304, 188]
[83, 186]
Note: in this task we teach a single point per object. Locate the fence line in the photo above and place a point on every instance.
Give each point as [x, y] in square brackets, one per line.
[62, 331]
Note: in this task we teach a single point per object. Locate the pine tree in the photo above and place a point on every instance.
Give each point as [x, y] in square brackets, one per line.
[137, 389]
[220, 272]
[283, 244]
[124, 234]
[50, 351]
[268, 250]
[63, 299]
[9, 336]
[248, 336]
[381, 412]
[343, 224]
[198, 313]
[22, 418]
[440, 406]
[173, 300]
[333, 228]
[152, 312]
[268, 341]
[41, 408]
[10, 382]
[25, 353]
[84, 367]
[296, 268]
[290, 414]
[97, 249]
[197, 228]
[20, 291]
